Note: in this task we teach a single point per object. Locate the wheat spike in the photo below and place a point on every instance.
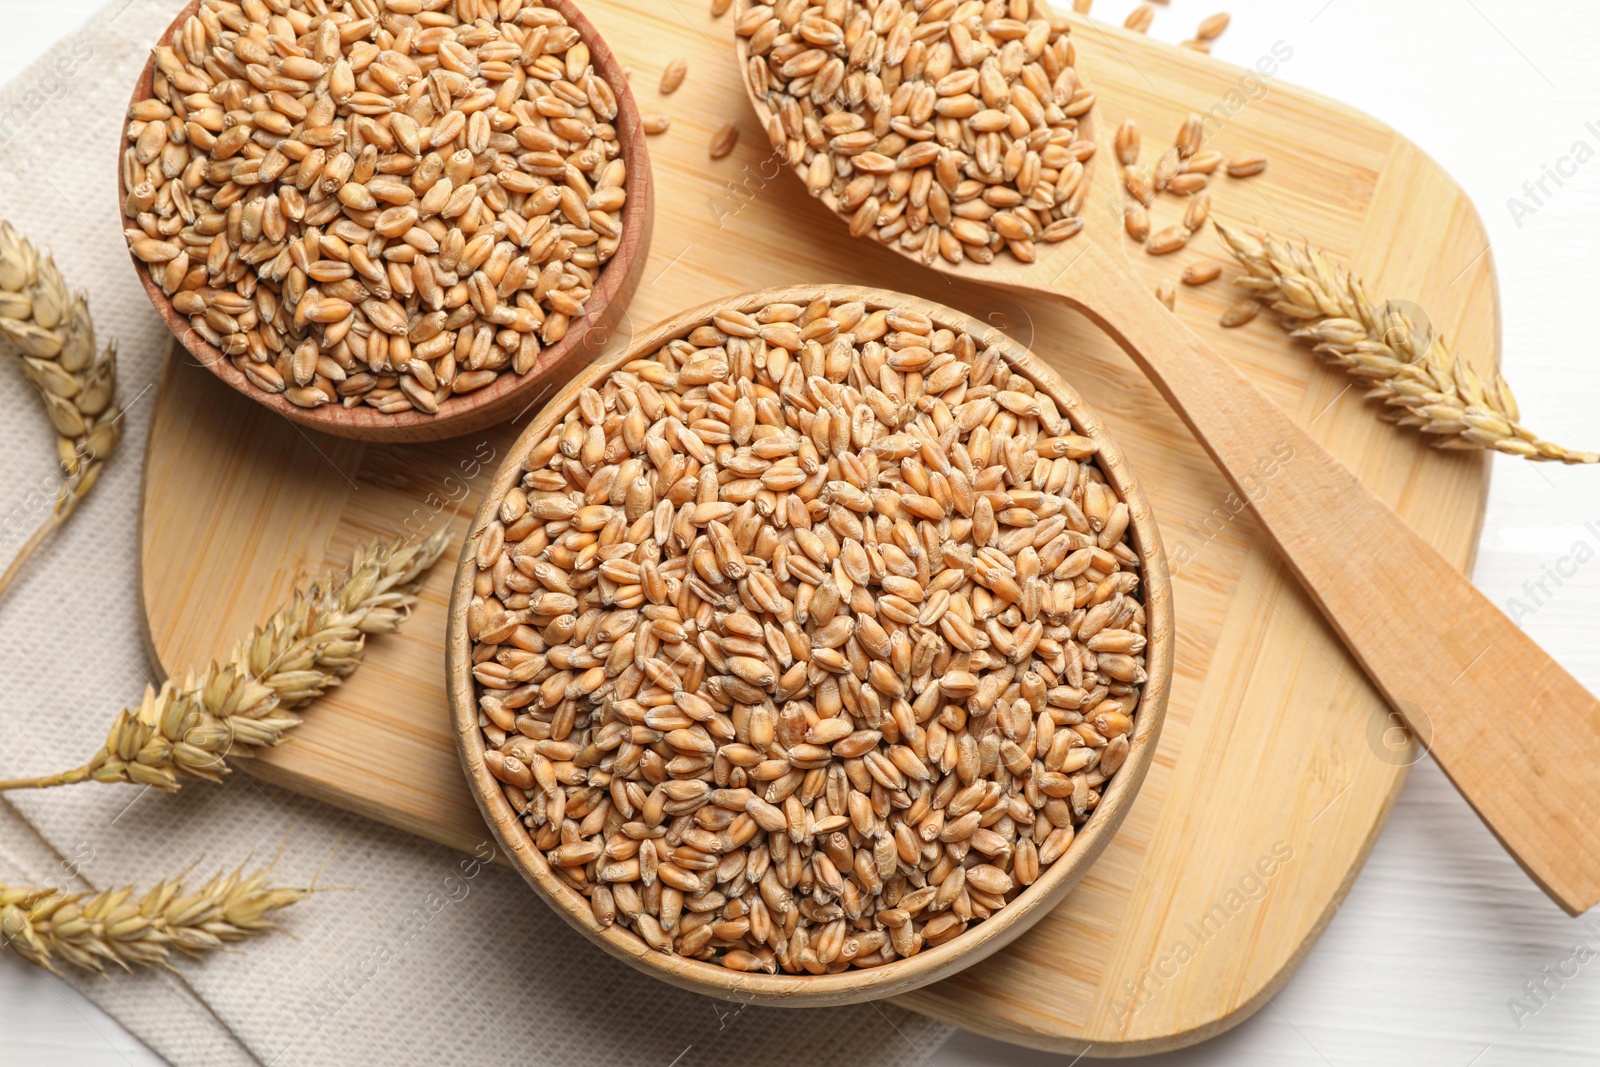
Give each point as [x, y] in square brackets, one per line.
[53, 336]
[1405, 365]
[187, 730]
[116, 927]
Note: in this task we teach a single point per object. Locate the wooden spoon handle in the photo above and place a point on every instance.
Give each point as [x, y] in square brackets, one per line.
[1517, 734]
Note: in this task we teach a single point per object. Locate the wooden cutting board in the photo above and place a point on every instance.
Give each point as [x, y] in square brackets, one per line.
[1277, 767]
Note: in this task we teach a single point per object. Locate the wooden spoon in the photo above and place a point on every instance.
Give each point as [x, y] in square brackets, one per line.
[1517, 734]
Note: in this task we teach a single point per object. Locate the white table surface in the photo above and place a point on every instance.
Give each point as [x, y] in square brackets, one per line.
[1441, 930]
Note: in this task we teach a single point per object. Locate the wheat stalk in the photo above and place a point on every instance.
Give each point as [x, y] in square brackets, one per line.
[54, 337]
[187, 730]
[1404, 364]
[92, 930]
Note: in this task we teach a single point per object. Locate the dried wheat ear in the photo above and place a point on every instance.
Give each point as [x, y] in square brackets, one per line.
[89, 931]
[1404, 363]
[187, 730]
[52, 334]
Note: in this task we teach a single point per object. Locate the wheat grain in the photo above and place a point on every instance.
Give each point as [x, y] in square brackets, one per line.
[1168, 167]
[1212, 27]
[807, 640]
[1127, 143]
[1167, 240]
[53, 335]
[1139, 18]
[1136, 220]
[1405, 364]
[1183, 170]
[1200, 273]
[1191, 135]
[724, 140]
[115, 927]
[948, 138]
[1246, 166]
[655, 123]
[188, 730]
[1140, 185]
[381, 211]
[1240, 313]
[672, 75]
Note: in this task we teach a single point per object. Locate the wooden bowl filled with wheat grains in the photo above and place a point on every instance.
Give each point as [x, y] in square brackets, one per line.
[812, 648]
[402, 221]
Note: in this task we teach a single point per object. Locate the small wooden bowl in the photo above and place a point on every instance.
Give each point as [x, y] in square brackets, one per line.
[509, 394]
[930, 965]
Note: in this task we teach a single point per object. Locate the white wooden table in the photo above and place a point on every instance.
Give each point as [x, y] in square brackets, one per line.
[1441, 936]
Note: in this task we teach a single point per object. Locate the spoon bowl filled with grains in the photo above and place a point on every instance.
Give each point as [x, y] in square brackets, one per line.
[397, 221]
[812, 648]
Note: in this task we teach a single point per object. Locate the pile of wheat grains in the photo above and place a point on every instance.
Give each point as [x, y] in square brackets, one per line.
[946, 128]
[806, 641]
[381, 203]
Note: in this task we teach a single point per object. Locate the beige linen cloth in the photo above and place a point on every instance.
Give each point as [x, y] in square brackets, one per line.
[432, 958]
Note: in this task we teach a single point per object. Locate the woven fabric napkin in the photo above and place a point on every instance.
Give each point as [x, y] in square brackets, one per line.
[432, 957]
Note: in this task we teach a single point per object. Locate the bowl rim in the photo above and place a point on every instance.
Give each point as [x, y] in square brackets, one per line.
[509, 394]
[931, 964]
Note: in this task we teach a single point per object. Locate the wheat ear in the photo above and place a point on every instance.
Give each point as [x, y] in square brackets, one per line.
[188, 730]
[52, 333]
[116, 927]
[1404, 364]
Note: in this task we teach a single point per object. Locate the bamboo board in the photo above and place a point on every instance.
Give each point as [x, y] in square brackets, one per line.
[1272, 778]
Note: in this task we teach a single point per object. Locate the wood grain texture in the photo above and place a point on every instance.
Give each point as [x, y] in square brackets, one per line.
[1273, 738]
[510, 393]
[980, 941]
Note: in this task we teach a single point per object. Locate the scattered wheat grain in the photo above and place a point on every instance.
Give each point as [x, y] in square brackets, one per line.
[1212, 27]
[1167, 240]
[672, 76]
[1136, 220]
[1128, 143]
[1240, 313]
[724, 140]
[1246, 166]
[1191, 135]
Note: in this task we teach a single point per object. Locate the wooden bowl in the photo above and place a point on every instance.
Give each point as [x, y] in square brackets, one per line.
[510, 394]
[931, 964]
